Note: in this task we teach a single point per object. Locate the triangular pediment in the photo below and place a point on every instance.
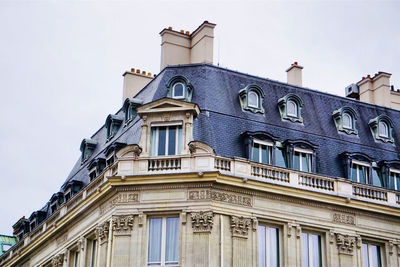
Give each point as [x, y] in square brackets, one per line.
[168, 105]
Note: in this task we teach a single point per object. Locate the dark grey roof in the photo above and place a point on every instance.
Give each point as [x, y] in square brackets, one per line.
[222, 120]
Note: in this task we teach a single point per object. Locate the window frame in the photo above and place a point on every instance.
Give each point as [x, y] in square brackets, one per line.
[267, 244]
[367, 172]
[310, 248]
[308, 153]
[338, 117]
[163, 240]
[244, 98]
[369, 245]
[386, 128]
[346, 114]
[375, 125]
[155, 139]
[283, 103]
[396, 178]
[269, 147]
[296, 111]
[183, 96]
[252, 92]
[187, 88]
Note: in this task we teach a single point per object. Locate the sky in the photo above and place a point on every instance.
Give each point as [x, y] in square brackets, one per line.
[61, 66]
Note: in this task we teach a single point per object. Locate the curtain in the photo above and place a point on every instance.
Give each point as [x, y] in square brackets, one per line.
[273, 247]
[153, 141]
[155, 241]
[172, 240]
[261, 246]
[179, 140]
[304, 248]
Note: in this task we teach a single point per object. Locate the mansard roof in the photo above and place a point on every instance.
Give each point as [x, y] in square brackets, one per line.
[222, 121]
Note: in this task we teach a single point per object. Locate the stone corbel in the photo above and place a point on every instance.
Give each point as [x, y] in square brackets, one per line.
[254, 224]
[345, 243]
[240, 226]
[202, 221]
[122, 224]
[183, 217]
[58, 260]
[102, 232]
[81, 244]
[298, 229]
[398, 249]
[358, 241]
[141, 219]
[391, 246]
[331, 237]
[137, 150]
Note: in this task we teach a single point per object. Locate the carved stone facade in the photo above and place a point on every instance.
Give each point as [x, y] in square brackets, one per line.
[345, 243]
[58, 260]
[103, 231]
[231, 198]
[122, 224]
[202, 221]
[240, 226]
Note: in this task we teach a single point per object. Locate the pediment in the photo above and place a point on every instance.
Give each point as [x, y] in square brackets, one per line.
[168, 105]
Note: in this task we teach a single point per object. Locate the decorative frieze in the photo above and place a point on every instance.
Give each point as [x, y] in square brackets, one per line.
[58, 260]
[121, 198]
[240, 226]
[343, 218]
[103, 231]
[122, 224]
[202, 221]
[345, 243]
[215, 195]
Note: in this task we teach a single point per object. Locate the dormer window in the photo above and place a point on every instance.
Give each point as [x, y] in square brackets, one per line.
[290, 108]
[113, 122]
[166, 139]
[301, 155]
[382, 129]
[262, 152]
[180, 88]
[129, 108]
[345, 120]
[96, 167]
[87, 149]
[251, 98]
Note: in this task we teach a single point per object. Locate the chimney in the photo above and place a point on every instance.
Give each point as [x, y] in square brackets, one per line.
[134, 81]
[294, 75]
[180, 47]
[376, 90]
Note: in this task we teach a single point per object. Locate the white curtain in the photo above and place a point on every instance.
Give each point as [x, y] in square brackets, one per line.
[171, 244]
[261, 246]
[155, 241]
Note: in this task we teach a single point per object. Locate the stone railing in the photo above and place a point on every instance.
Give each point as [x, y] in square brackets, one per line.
[222, 164]
[269, 172]
[164, 164]
[370, 192]
[317, 182]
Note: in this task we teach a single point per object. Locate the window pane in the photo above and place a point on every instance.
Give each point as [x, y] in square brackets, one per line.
[262, 246]
[179, 140]
[265, 154]
[161, 140]
[155, 241]
[171, 140]
[347, 121]
[296, 161]
[362, 174]
[397, 186]
[178, 90]
[256, 153]
[375, 256]
[376, 179]
[304, 248]
[273, 247]
[391, 181]
[253, 100]
[383, 129]
[292, 109]
[305, 164]
[316, 250]
[365, 255]
[171, 244]
[279, 158]
[354, 172]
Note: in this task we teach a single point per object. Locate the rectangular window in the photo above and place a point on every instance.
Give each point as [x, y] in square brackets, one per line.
[74, 258]
[261, 152]
[92, 174]
[268, 246]
[311, 250]
[163, 241]
[394, 180]
[360, 172]
[371, 255]
[166, 140]
[302, 160]
[91, 253]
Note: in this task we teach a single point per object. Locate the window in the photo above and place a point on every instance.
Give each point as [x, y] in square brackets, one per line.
[92, 174]
[179, 87]
[91, 253]
[280, 158]
[110, 159]
[261, 152]
[129, 108]
[394, 179]
[382, 128]
[371, 255]
[74, 258]
[166, 140]
[302, 160]
[268, 246]
[67, 195]
[290, 108]
[360, 172]
[113, 123]
[311, 250]
[345, 120]
[6, 247]
[251, 98]
[163, 241]
[87, 149]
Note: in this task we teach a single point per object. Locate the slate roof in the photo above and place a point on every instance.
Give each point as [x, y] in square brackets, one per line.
[222, 120]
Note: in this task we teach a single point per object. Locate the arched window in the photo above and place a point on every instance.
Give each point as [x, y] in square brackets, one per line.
[347, 121]
[290, 108]
[383, 129]
[178, 91]
[129, 108]
[253, 99]
[179, 87]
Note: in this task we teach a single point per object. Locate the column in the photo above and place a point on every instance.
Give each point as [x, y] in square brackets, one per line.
[240, 227]
[122, 226]
[202, 223]
[102, 234]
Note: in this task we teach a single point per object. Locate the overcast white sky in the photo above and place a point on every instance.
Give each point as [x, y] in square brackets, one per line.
[61, 64]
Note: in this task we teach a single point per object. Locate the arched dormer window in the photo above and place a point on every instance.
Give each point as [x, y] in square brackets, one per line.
[290, 108]
[345, 120]
[87, 149]
[179, 87]
[129, 109]
[95, 167]
[360, 168]
[71, 188]
[251, 98]
[382, 128]
[113, 122]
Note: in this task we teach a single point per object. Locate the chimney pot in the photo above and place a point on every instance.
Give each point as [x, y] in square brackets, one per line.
[187, 32]
[149, 74]
[132, 70]
[138, 71]
[182, 31]
[170, 28]
[143, 73]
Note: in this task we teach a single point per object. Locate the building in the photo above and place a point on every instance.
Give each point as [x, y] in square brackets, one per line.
[205, 166]
[6, 242]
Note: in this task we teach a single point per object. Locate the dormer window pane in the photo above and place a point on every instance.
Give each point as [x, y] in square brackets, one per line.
[302, 161]
[253, 100]
[166, 140]
[383, 129]
[359, 173]
[261, 153]
[291, 109]
[394, 180]
[178, 91]
[347, 121]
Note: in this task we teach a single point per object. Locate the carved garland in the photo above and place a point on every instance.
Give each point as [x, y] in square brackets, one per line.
[202, 221]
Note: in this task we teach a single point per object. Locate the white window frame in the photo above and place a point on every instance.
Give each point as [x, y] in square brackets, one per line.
[296, 108]
[386, 135]
[6, 246]
[93, 252]
[350, 119]
[167, 125]
[257, 98]
[396, 173]
[163, 240]
[110, 157]
[361, 163]
[183, 91]
[310, 248]
[310, 153]
[369, 247]
[267, 244]
[75, 258]
[269, 146]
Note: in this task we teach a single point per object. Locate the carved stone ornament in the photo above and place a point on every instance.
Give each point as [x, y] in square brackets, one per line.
[122, 223]
[202, 221]
[240, 226]
[81, 244]
[102, 231]
[137, 150]
[297, 229]
[398, 249]
[58, 260]
[345, 243]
